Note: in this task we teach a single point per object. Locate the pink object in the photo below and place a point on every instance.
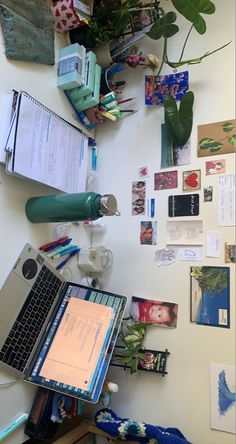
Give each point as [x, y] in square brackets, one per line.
[65, 16]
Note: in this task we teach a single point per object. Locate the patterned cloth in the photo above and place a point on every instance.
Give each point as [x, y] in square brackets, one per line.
[28, 33]
[127, 429]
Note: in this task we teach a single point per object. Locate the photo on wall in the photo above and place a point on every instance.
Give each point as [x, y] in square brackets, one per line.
[161, 313]
[216, 138]
[166, 180]
[153, 361]
[210, 298]
[171, 154]
[223, 397]
[148, 232]
[139, 197]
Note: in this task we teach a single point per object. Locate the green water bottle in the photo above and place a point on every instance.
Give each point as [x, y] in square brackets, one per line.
[70, 207]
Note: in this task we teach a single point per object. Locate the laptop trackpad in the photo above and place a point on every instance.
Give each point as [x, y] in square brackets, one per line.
[12, 297]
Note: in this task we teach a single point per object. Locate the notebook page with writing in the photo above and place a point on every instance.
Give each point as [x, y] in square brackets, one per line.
[48, 149]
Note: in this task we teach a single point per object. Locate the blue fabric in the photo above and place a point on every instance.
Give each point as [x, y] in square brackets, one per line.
[127, 429]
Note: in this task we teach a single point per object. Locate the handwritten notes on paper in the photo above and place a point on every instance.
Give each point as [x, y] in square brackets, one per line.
[226, 200]
[185, 232]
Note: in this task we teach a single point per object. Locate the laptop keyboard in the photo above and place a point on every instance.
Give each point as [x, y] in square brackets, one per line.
[28, 325]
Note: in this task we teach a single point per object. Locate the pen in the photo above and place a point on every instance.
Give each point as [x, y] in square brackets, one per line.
[63, 253]
[125, 100]
[59, 249]
[59, 266]
[61, 244]
[53, 243]
[11, 427]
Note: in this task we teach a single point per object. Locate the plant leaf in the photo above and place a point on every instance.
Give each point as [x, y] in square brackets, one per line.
[179, 122]
[133, 366]
[207, 143]
[232, 140]
[163, 27]
[228, 126]
[191, 10]
[126, 359]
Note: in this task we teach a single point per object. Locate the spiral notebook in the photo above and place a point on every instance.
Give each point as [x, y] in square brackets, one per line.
[45, 148]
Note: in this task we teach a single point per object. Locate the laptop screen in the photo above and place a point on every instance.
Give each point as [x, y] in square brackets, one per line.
[76, 352]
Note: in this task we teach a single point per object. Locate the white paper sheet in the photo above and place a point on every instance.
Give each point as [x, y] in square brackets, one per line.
[185, 232]
[48, 149]
[189, 253]
[226, 200]
[213, 244]
[222, 379]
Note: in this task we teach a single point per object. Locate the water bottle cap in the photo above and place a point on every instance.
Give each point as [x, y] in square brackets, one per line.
[109, 205]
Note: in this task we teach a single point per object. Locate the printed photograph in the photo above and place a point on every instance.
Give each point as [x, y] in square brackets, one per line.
[223, 397]
[139, 198]
[166, 180]
[209, 300]
[153, 361]
[230, 253]
[157, 87]
[171, 154]
[191, 180]
[208, 193]
[161, 313]
[215, 167]
[148, 233]
[216, 138]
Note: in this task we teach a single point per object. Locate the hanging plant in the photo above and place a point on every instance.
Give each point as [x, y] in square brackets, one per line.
[179, 121]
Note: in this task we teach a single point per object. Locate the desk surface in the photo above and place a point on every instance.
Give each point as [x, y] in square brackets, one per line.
[40, 82]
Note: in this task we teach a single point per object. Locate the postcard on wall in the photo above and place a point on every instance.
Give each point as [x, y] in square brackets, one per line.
[166, 180]
[230, 253]
[223, 397]
[226, 200]
[171, 154]
[165, 256]
[161, 313]
[208, 193]
[215, 167]
[144, 171]
[157, 87]
[210, 301]
[139, 197]
[148, 233]
[216, 138]
[153, 361]
[191, 180]
[183, 205]
[184, 232]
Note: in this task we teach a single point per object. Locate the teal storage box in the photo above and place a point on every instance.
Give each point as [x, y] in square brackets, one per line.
[71, 67]
[90, 64]
[93, 98]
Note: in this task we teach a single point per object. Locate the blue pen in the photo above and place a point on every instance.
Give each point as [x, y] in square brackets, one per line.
[63, 253]
[59, 266]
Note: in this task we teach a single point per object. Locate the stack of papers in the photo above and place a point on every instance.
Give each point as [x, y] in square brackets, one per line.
[37, 144]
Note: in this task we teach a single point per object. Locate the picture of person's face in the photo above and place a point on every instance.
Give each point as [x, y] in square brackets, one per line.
[159, 314]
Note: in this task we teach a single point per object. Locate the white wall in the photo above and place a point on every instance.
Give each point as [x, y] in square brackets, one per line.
[182, 399]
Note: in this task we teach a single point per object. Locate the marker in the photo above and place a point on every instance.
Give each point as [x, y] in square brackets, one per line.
[62, 239]
[63, 253]
[60, 244]
[58, 250]
[59, 266]
[152, 207]
[13, 426]
[108, 116]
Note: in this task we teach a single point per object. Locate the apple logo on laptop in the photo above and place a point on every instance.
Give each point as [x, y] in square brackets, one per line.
[29, 269]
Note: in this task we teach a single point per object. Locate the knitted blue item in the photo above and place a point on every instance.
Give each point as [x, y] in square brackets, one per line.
[125, 428]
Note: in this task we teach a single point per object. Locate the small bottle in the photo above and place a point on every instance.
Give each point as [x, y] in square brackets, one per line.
[109, 386]
[70, 207]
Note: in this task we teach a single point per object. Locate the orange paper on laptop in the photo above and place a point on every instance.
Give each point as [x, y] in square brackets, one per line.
[74, 353]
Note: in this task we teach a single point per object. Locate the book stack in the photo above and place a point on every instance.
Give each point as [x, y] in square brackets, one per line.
[79, 76]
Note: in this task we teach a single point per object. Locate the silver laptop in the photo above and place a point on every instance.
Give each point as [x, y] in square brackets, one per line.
[32, 304]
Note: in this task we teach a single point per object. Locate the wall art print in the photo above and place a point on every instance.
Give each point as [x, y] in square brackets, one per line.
[210, 301]
[157, 87]
[216, 138]
[223, 397]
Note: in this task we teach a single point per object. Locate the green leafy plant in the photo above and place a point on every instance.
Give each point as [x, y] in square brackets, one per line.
[132, 335]
[179, 121]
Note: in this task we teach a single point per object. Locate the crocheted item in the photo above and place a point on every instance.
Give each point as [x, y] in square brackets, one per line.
[127, 429]
[28, 30]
